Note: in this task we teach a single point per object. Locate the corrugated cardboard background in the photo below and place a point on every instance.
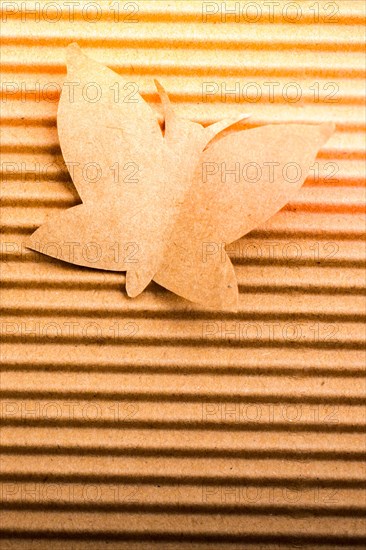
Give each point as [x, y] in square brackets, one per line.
[150, 423]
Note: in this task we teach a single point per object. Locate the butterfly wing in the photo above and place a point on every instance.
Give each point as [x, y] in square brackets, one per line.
[200, 273]
[103, 120]
[255, 174]
[93, 241]
[113, 146]
[240, 182]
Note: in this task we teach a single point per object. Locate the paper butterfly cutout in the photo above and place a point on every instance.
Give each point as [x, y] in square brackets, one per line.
[169, 221]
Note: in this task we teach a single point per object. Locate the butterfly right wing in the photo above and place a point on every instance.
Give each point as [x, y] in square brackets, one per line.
[224, 207]
[183, 270]
[202, 274]
[248, 176]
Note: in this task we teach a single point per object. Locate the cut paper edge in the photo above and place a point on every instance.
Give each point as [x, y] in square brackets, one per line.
[170, 212]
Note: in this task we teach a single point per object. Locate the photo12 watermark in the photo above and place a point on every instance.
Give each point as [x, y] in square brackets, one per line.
[284, 414]
[279, 251]
[66, 494]
[54, 331]
[269, 171]
[270, 332]
[90, 173]
[271, 92]
[90, 92]
[73, 10]
[271, 12]
[70, 410]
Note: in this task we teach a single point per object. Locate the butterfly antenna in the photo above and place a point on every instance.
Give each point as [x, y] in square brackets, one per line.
[167, 106]
[217, 127]
[74, 54]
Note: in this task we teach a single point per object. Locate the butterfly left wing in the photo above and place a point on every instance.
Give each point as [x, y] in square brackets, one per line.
[94, 241]
[224, 202]
[113, 146]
